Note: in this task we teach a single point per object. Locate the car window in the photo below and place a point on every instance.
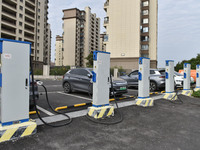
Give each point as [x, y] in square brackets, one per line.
[134, 73]
[72, 71]
[152, 72]
[162, 72]
[83, 72]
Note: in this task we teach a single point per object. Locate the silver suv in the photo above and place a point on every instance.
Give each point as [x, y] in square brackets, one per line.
[157, 80]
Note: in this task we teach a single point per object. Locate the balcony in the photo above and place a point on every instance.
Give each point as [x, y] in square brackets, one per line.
[10, 4]
[8, 29]
[8, 20]
[9, 12]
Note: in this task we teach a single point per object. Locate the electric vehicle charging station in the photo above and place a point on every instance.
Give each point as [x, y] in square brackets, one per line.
[169, 81]
[101, 83]
[186, 82]
[143, 87]
[14, 90]
[197, 88]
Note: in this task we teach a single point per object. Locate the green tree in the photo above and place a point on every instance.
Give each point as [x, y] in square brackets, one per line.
[89, 59]
[193, 62]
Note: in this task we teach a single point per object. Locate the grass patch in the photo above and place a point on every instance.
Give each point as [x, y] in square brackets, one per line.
[196, 94]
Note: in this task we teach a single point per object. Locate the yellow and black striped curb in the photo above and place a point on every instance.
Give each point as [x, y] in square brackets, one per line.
[33, 112]
[16, 131]
[197, 89]
[100, 112]
[170, 96]
[90, 103]
[187, 92]
[147, 102]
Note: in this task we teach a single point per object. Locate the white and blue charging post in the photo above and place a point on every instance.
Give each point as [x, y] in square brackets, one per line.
[169, 81]
[14, 90]
[101, 85]
[197, 88]
[144, 82]
[186, 81]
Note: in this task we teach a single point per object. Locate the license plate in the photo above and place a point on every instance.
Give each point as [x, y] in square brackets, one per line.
[122, 88]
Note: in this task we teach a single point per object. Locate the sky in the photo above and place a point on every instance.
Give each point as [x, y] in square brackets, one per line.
[178, 26]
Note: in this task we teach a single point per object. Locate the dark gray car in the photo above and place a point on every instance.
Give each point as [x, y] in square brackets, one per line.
[157, 80]
[80, 80]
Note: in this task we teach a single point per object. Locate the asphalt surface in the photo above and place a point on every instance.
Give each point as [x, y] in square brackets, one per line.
[165, 126]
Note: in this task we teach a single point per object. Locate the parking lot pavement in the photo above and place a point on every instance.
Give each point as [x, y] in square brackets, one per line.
[165, 126]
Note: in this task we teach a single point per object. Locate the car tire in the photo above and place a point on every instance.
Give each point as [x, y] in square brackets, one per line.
[67, 87]
[153, 86]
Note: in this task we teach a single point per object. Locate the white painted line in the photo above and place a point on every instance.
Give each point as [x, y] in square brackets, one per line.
[53, 85]
[45, 111]
[81, 113]
[49, 92]
[75, 96]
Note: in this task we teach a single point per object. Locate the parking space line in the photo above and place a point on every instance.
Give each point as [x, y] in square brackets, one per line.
[75, 96]
[45, 111]
[50, 92]
[53, 85]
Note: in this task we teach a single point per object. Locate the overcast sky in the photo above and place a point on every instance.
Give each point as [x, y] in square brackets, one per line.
[178, 25]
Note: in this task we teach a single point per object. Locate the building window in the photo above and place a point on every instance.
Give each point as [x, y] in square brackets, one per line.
[20, 23]
[39, 3]
[38, 37]
[145, 21]
[144, 38]
[20, 15]
[145, 29]
[145, 55]
[21, 1]
[38, 30]
[20, 39]
[145, 12]
[38, 10]
[105, 39]
[146, 3]
[145, 47]
[38, 44]
[20, 31]
[20, 7]
[38, 24]
[38, 17]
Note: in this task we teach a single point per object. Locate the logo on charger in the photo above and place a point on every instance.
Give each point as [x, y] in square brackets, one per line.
[7, 56]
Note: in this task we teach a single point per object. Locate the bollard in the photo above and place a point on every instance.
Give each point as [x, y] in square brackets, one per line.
[197, 78]
[186, 82]
[143, 87]
[169, 81]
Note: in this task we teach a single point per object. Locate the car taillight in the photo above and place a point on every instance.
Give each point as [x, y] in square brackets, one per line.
[162, 77]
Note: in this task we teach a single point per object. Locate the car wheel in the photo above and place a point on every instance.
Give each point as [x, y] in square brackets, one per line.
[67, 88]
[153, 86]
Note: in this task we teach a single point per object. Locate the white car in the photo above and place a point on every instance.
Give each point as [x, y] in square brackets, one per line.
[178, 78]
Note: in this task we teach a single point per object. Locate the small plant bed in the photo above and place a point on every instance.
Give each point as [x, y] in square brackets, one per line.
[196, 94]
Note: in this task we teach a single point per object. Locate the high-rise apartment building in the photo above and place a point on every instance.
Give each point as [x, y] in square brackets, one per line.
[59, 51]
[26, 20]
[81, 35]
[131, 31]
[102, 45]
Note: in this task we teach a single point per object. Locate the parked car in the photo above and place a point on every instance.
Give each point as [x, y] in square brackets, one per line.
[178, 78]
[157, 80]
[80, 80]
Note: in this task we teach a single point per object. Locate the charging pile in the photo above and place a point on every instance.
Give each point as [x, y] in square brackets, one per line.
[101, 79]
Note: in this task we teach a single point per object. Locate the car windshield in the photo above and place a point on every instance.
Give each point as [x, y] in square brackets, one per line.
[178, 74]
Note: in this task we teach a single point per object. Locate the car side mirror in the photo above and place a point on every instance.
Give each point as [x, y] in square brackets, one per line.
[89, 75]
